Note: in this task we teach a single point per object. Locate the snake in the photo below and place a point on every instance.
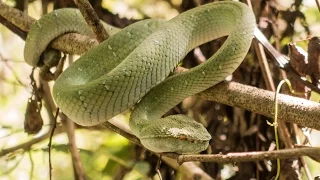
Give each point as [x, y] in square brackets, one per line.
[134, 69]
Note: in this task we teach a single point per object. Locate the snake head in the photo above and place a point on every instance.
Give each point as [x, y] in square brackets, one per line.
[176, 133]
[50, 58]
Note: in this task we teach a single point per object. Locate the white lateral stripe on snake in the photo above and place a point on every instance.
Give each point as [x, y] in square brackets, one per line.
[132, 68]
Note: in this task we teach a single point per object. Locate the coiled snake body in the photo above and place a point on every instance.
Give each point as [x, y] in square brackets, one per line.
[132, 68]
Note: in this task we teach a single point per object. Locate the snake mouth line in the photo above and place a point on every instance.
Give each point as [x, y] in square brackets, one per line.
[180, 138]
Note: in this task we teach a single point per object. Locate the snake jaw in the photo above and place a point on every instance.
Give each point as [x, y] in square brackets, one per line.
[170, 144]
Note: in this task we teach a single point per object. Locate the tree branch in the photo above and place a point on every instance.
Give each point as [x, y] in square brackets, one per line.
[252, 156]
[92, 19]
[70, 43]
[16, 17]
[291, 109]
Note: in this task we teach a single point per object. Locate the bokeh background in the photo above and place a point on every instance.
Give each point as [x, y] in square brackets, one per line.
[105, 154]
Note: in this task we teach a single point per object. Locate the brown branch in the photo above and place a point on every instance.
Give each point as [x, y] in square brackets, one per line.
[13, 28]
[263, 63]
[252, 156]
[16, 17]
[73, 43]
[70, 43]
[291, 109]
[92, 19]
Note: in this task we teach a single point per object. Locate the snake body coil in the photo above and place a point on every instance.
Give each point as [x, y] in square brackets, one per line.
[134, 64]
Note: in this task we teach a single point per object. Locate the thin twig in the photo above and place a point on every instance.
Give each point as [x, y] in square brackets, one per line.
[31, 164]
[264, 66]
[11, 168]
[158, 167]
[27, 145]
[297, 130]
[306, 168]
[12, 71]
[54, 125]
[120, 131]
[44, 8]
[25, 6]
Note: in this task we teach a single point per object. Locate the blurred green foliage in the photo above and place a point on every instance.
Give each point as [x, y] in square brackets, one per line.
[103, 154]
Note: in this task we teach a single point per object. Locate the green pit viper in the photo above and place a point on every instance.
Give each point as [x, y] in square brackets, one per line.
[132, 68]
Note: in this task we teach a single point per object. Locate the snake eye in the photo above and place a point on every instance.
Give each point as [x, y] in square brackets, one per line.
[183, 137]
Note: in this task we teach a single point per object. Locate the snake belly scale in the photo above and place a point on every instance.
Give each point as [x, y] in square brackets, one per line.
[131, 68]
